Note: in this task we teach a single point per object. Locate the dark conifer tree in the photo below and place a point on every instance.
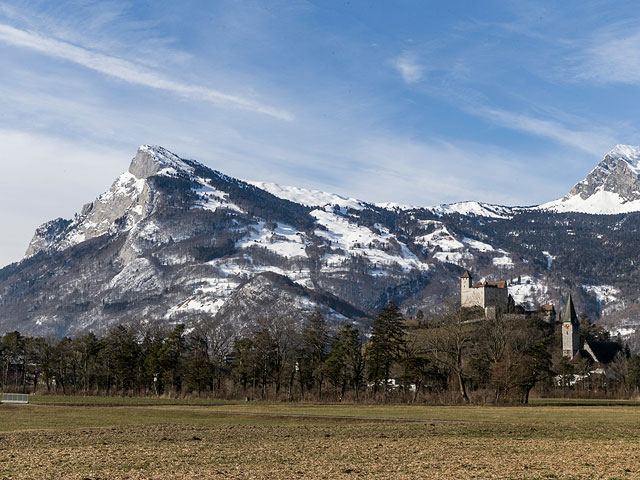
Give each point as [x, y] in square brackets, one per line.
[386, 344]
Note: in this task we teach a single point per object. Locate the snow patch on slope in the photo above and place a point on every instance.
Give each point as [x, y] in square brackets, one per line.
[528, 292]
[604, 293]
[210, 198]
[602, 202]
[381, 248]
[550, 258]
[396, 206]
[473, 208]
[439, 237]
[504, 261]
[457, 258]
[239, 270]
[309, 198]
[623, 332]
[478, 245]
[208, 297]
[283, 240]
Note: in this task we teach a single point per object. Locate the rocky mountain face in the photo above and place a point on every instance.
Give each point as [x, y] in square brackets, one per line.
[174, 241]
[612, 187]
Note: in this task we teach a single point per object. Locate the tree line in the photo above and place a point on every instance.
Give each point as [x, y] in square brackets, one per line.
[458, 356]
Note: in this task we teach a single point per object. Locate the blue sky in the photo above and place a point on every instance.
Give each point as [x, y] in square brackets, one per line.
[412, 101]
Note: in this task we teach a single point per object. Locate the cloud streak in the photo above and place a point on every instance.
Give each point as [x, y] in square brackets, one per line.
[589, 140]
[434, 171]
[409, 68]
[62, 175]
[613, 58]
[131, 72]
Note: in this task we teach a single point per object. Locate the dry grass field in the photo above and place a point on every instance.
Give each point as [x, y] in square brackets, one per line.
[96, 438]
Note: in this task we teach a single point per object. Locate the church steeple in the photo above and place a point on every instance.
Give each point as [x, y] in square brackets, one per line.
[570, 331]
[570, 312]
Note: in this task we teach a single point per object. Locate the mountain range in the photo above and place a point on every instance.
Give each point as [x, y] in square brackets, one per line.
[174, 241]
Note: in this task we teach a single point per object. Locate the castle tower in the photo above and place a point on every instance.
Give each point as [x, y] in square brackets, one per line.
[570, 331]
[465, 280]
[466, 292]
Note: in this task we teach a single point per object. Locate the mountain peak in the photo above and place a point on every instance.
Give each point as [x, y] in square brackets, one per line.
[612, 187]
[629, 153]
[153, 160]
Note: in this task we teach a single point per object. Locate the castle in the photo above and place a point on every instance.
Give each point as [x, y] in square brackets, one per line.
[494, 297]
[483, 294]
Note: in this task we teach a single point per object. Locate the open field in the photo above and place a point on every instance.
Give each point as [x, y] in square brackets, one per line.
[261, 440]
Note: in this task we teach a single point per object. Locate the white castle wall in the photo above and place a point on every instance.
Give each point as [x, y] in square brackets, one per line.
[482, 296]
[472, 297]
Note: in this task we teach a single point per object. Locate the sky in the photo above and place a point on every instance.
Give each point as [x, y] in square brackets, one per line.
[415, 102]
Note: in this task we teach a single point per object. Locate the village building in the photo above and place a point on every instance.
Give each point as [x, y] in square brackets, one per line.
[494, 298]
[598, 354]
[549, 313]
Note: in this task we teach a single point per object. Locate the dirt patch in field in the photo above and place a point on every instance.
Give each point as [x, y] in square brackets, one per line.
[324, 450]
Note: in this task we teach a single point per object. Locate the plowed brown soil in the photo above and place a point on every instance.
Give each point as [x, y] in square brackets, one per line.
[191, 443]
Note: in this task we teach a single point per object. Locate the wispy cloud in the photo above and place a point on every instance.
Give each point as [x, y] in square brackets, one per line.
[433, 171]
[590, 139]
[613, 57]
[130, 72]
[55, 188]
[409, 67]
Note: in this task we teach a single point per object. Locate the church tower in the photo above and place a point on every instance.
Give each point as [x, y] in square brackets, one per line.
[570, 331]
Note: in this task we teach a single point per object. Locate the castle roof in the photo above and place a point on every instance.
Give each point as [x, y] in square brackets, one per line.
[466, 274]
[485, 284]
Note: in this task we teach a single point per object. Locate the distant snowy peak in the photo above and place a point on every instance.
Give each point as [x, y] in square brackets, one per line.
[612, 187]
[317, 198]
[397, 206]
[473, 208]
[628, 153]
[310, 198]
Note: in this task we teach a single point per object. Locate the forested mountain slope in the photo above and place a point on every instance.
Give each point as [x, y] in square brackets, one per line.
[174, 241]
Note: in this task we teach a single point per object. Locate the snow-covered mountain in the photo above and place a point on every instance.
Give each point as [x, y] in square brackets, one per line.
[612, 187]
[318, 198]
[310, 198]
[175, 241]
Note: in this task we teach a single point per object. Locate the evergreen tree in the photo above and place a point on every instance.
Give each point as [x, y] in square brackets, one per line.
[87, 348]
[265, 351]
[170, 357]
[633, 375]
[386, 344]
[346, 362]
[314, 343]
[197, 366]
[121, 352]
